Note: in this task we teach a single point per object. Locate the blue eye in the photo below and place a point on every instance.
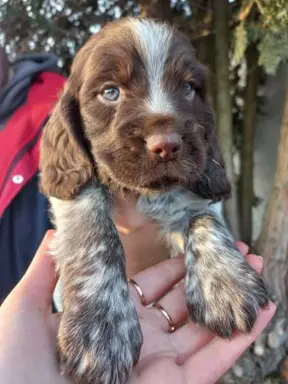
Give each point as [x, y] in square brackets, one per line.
[111, 94]
[188, 89]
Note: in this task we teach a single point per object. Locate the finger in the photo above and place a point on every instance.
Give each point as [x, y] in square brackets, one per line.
[255, 262]
[174, 304]
[225, 352]
[157, 280]
[243, 248]
[38, 283]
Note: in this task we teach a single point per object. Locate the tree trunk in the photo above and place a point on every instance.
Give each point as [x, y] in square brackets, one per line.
[205, 49]
[157, 9]
[246, 180]
[273, 240]
[223, 105]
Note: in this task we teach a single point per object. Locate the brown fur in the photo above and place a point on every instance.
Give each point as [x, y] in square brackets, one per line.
[86, 138]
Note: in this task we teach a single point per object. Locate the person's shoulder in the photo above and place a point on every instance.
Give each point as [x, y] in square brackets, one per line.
[38, 62]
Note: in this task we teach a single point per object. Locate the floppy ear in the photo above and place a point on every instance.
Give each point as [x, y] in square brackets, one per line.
[214, 184]
[65, 161]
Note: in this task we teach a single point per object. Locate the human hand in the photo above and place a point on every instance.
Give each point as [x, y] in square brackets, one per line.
[28, 327]
[191, 354]
[28, 330]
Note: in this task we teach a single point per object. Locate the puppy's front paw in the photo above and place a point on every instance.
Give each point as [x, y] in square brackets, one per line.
[102, 352]
[223, 292]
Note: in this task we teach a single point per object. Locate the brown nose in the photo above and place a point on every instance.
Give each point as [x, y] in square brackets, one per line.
[164, 147]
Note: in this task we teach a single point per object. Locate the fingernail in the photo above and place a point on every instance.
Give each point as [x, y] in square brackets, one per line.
[50, 233]
[270, 306]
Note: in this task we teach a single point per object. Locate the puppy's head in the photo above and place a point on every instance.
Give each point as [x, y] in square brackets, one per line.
[136, 112]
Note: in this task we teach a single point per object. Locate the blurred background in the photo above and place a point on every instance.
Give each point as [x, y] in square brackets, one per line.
[244, 44]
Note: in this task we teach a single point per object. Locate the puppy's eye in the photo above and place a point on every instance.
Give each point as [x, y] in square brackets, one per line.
[111, 94]
[188, 89]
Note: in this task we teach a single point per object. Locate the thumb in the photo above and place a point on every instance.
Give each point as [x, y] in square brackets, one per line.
[38, 283]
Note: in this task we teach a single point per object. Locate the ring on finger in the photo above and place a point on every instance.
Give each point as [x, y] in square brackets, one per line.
[164, 313]
[139, 291]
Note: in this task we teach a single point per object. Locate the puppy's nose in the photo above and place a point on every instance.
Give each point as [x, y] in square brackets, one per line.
[164, 147]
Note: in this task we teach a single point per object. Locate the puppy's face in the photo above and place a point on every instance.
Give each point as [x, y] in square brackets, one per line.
[143, 105]
[136, 104]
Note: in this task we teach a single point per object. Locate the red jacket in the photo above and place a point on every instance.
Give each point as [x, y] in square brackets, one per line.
[20, 137]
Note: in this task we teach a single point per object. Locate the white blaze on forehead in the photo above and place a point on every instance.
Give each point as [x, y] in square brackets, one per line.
[154, 42]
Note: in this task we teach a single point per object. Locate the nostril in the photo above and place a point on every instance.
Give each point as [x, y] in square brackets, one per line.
[158, 151]
[175, 149]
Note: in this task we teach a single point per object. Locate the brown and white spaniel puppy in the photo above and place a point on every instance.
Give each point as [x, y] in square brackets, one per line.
[134, 116]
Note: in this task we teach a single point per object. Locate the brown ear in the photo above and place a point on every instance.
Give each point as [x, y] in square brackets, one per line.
[65, 161]
[214, 184]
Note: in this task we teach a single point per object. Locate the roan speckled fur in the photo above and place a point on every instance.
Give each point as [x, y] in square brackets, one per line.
[92, 150]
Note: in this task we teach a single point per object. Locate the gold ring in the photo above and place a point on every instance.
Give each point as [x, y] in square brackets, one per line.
[139, 291]
[172, 326]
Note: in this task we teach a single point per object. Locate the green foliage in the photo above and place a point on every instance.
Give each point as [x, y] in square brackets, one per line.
[273, 49]
[241, 42]
[275, 14]
[268, 28]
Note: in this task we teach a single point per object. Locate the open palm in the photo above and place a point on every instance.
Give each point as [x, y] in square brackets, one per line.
[191, 354]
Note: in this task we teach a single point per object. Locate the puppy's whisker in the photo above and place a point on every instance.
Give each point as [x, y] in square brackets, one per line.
[198, 127]
[216, 162]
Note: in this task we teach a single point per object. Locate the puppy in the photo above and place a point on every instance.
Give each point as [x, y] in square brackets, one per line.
[135, 117]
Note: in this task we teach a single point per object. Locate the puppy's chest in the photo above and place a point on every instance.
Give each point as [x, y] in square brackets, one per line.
[165, 218]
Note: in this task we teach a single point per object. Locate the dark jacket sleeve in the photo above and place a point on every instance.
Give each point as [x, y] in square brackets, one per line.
[22, 228]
